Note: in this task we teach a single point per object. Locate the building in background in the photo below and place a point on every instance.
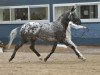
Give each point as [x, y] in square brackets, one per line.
[14, 13]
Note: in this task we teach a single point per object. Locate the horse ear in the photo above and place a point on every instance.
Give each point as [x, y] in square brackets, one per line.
[73, 9]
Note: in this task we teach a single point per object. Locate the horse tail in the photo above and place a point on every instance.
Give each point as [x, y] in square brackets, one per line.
[12, 36]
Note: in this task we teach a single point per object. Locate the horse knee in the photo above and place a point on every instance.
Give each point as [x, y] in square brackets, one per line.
[52, 51]
[31, 47]
[17, 47]
[75, 50]
[72, 47]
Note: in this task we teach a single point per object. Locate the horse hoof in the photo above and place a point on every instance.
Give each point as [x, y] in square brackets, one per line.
[82, 58]
[45, 59]
[40, 58]
[9, 60]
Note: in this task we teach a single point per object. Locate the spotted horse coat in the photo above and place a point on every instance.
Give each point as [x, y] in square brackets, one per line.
[54, 31]
[46, 31]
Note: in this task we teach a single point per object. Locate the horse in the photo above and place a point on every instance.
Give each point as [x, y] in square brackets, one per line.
[55, 32]
[69, 41]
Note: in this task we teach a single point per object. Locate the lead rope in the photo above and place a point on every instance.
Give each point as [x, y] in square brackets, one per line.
[86, 30]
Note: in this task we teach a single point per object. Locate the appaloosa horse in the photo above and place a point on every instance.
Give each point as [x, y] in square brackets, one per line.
[55, 32]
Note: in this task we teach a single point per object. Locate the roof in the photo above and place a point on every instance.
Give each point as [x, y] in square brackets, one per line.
[33, 2]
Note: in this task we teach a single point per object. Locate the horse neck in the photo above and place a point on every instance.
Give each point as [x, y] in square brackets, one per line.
[58, 23]
[59, 19]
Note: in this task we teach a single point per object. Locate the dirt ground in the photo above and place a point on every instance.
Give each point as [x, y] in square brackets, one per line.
[62, 62]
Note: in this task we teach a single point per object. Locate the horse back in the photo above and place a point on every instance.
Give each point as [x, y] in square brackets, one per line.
[31, 28]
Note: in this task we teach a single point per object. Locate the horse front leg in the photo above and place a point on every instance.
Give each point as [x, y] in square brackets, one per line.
[52, 51]
[69, 43]
[15, 50]
[32, 47]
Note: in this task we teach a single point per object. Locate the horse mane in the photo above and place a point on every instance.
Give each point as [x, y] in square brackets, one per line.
[63, 19]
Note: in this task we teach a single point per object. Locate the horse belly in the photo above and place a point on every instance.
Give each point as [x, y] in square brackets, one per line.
[47, 36]
[49, 39]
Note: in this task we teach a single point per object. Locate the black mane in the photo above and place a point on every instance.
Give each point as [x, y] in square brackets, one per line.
[65, 20]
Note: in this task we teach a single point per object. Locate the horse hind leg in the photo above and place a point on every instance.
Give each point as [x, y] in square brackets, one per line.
[74, 47]
[32, 47]
[52, 51]
[16, 49]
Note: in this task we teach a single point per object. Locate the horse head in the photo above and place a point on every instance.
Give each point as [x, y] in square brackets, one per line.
[74, 17]
[69, 16]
